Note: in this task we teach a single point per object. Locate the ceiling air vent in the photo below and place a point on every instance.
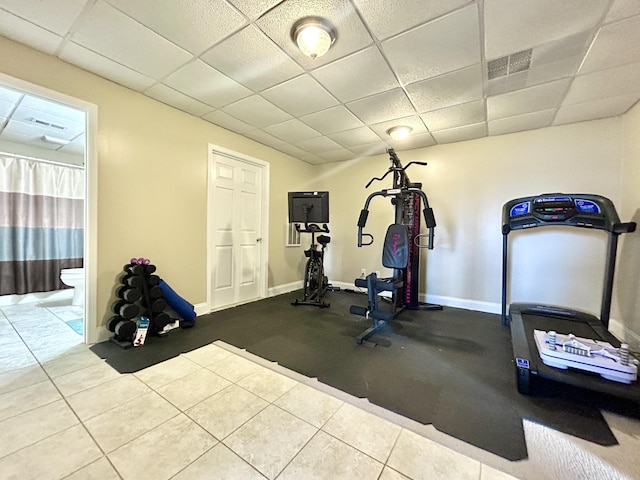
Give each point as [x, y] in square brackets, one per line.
[509, 64]
[44, 123]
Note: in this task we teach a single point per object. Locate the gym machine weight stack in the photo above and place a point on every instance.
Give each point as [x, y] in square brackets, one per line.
[139, 296]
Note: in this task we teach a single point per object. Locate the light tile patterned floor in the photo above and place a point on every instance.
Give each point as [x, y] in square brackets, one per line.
[214, 413]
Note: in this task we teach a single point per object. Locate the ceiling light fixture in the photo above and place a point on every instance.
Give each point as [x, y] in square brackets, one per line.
[313, 35]
[55, 140]
[399, 133]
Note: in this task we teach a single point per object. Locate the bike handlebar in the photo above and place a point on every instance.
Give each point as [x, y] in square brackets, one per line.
[312, 228]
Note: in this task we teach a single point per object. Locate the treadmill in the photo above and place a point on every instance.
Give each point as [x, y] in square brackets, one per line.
[565, 210]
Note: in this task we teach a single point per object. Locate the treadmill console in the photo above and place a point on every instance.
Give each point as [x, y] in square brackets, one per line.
[577, 210]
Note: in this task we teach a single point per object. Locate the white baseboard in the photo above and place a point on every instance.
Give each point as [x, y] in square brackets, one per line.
[286, 288]
[624, 334]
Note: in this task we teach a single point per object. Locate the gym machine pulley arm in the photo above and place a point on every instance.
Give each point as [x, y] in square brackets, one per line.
[429, 218]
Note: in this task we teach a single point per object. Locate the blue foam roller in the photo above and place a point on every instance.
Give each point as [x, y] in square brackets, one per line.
[179, 304]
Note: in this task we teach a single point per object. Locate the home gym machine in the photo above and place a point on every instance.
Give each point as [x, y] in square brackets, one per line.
[312, 209]
[401, 249]
[556, 343]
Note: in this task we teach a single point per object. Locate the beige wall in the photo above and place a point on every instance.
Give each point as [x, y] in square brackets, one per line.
[467, 183]
[629, 261]
[152, 186]
[152, 200]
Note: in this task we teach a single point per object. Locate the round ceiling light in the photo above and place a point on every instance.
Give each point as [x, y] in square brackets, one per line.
[399, 133]
[313, 35]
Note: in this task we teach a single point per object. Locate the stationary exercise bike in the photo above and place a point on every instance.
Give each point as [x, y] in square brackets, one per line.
[311, 209]
[316, 282]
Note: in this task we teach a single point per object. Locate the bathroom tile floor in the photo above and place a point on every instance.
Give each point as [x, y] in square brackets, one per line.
[219, 413]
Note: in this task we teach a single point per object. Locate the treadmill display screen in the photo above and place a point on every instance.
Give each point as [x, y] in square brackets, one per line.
[587, 206]
[523, 208]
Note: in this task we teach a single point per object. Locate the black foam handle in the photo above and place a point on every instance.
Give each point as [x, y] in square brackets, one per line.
[362, 220]
[429, 218]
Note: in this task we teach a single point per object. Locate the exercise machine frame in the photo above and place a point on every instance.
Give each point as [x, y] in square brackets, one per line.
[406, 197]
[569, 210]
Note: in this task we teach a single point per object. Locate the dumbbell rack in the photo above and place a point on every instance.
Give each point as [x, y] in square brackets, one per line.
[138, 295]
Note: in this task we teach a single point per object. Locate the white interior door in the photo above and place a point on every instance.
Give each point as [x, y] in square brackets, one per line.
[236, 212]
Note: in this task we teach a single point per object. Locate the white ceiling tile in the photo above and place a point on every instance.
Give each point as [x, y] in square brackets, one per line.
[254, 8]
[104, 67]
[609, 107]
[26, 118]
[351, 32]
[227, 121]
[294, 151]
[5, 110]
[375, 76]
[263, 137]
[623, 8]
[550, 61]
[616, 44]
[456, 116]
[623, 80]
[332, 120]
[512, 26]
[112, 34]
[311, 158]
[460, 134]
[377, 148]
[194, 25]
[453, 88]
[257, 111]
[388, 18]
[540, 97]
[178, 100]
[292, 131]
[382, 107]
[9, 95]
[300, 96]
[53, 111]
[520, 123]
[27, 33]
[318, 144]
[355, 137]
[449, 43]
[26, 132]
[204, 83]
[413, 121]
[420, 140]
[337, 155]
[252, 59]
[53, 15]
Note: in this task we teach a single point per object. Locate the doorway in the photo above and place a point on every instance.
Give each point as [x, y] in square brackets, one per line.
[89, 125]
[238, 218]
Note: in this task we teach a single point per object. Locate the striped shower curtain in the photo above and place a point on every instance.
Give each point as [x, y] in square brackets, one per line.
[41, 224]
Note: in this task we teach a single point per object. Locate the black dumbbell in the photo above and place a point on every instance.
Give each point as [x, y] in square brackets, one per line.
[153, 280]
[129, 294]
[149, 269]
[113, 321]
[134, 269]
[133, 280]
[125, 330]
[155, 292]
[125, 309]
[161, 320]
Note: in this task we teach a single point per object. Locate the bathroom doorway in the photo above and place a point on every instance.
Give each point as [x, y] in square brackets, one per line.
[47, 129]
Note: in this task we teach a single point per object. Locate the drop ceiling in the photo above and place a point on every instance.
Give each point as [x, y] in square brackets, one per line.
[452, 70]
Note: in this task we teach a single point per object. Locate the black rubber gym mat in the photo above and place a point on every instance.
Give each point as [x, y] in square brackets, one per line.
[451, 368]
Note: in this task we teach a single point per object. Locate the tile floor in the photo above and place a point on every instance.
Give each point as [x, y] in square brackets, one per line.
[218, 413]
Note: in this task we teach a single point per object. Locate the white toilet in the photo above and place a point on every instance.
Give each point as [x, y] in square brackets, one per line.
[74, 277]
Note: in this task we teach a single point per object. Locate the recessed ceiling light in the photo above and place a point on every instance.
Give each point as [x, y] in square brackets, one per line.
[313, 35]
[399, 133]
